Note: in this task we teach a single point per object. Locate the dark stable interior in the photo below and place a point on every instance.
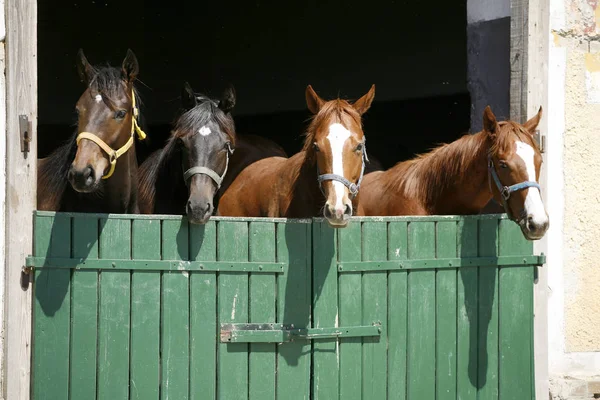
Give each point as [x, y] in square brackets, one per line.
[414, 52]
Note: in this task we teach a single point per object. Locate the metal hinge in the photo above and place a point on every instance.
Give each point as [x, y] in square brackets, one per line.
[540, 140]
[279, 333]
[25, 133]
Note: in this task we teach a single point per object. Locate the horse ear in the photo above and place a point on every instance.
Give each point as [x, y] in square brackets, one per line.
[188, 98]
[84, 68]
[364, 103]
[490, 125]
[130, 66]
[532, 124]
[313, 101]
[227, 99]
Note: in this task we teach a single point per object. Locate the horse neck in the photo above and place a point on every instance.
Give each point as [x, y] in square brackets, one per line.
[306, 199]
[453, 179]
[120, 190]
[164, 189]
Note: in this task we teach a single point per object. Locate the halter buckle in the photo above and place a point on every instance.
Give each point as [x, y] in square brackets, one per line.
[229, 148]
[112, 157]
[505, 193]
[353, 188]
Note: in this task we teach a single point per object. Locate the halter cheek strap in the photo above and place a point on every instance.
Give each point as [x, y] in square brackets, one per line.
[113, 155]
[352, 187]
[506, 191]
[218, 179]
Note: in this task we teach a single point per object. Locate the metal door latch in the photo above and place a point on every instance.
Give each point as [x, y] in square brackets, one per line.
[25, 132]
[279, 333]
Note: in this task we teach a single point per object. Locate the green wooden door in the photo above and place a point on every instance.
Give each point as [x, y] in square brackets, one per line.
[454, 296]
[147, 307]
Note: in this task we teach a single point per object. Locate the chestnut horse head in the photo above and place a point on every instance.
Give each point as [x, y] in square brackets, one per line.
[205, 134]
[107, 122]
[336, 140]
[514, 163]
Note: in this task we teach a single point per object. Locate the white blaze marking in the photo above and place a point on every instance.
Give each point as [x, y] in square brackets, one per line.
[98, 98]
[338, 135]
[534, 206]
[204, 131]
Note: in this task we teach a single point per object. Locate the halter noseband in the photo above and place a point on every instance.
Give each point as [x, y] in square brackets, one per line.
[352, 187]
[218, 179]
[113, 155]
[505, 191]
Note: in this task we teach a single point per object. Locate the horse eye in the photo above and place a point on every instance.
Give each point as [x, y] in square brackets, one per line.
[316, 147]
[359, 147]
[120, 114]
[503, 164]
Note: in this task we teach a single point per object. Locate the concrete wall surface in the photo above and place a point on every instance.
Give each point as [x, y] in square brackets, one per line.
[574, 199]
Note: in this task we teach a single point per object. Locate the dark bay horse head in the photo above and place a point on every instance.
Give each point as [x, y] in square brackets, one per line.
[205, 135]
[514, 167]
[336, 139]
[107, 121]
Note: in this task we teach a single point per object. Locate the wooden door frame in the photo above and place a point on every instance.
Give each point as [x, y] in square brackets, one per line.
[528, 90]
[21, 178]
[529, 54]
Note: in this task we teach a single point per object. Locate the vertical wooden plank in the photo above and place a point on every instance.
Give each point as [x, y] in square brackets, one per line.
[145, 313]
[232, 245]
[445, 299]
[421, 314]
[293, 307]
[21, 183]
[487, 365]
[397, 312]
[325, 311]
[519, 20]
[175, 317]
[374, 363]
[203, 315]
[515, 292]
[84, 311]
[113, 324]
[350, 304]
[261, 362]
[51, 311]
[467, 340]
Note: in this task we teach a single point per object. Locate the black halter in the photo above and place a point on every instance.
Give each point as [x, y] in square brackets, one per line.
[505, 191]
[218, 179]
[352, 187]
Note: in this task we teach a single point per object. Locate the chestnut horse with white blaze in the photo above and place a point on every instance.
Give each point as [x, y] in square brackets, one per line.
[325, 175]
[501, 162]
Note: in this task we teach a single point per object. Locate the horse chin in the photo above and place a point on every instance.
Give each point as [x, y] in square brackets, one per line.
[335, 223]
[530, 235]
[198, 220]
[85, 187]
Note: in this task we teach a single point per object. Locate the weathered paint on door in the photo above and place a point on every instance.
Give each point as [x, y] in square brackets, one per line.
[148, 307]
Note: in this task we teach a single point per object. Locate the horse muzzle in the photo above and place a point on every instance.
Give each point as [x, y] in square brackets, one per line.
[199, 211]
[337, 216]
[83, 180]
[534, 228]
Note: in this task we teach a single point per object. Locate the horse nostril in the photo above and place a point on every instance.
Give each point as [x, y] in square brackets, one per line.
[348, 210]
[327, 212]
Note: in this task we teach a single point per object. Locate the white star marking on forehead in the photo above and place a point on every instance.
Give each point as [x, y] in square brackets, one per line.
[204, 131]
[98, 98]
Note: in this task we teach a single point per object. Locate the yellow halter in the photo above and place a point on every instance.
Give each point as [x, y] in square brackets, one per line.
[113, 155]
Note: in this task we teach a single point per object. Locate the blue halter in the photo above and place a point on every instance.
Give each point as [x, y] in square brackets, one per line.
[505, 191]
[352, 187]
